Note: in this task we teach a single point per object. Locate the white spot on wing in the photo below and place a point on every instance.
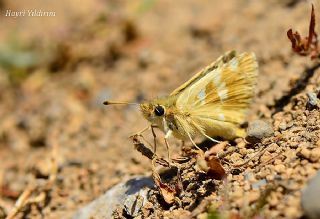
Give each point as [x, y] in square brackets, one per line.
[221, 86]
[221, 116]
[234, 64]
[202, 96]
[223, 91]
[217, 78]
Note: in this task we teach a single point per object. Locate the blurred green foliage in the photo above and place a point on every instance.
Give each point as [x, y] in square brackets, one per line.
[17, 61]
[145, 6]
[213, 212]
[214, 215]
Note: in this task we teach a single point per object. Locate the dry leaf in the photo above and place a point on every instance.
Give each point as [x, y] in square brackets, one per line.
[216, 170]
[211, 165]
[166, 191]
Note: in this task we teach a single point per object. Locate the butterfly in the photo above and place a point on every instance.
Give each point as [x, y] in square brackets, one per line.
[213, 103]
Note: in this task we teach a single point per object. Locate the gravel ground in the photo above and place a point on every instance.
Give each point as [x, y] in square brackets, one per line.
[60, 148]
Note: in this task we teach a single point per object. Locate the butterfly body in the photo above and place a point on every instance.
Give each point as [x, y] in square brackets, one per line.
[212, 103]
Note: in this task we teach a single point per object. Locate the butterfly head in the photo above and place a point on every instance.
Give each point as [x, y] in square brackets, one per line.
[153, 111]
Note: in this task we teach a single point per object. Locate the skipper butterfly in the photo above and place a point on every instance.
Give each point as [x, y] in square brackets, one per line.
[212, 103]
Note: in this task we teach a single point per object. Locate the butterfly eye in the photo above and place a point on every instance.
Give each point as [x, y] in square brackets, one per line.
[159, 110]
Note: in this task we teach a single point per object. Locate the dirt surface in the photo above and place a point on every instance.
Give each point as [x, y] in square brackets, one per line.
[61, 148]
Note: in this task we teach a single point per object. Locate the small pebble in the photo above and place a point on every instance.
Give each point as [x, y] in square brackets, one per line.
[273, 147]
[304, 153]
[270, 177]
[288, 172]
[316, 165]
[258, 130]
[273, 199]
[241, 144]
[238, 178]
[254, 196]
[265, 157]
[274, 214]
[315, 154]
[262, 174]
[277, 161]
[235, 157]
[292, 212]
[243, 151]
[281, 207]
[282, 126]
[312, 101]
[231, 149]
[290, 124]
[203, 216]
[238, 193]
[238, 202]
[292, 200]
[290, 155]
[293, 144]
[259, 184]
[304, 118]
[280, 189]
[280, 168]
[247, 187]
[250, 151]
[236, 184]
[310, 171]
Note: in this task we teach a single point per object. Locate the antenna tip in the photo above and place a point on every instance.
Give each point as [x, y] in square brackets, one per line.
[108, 102]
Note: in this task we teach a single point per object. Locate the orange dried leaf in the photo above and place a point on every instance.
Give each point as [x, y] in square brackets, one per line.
[216, 170]
[166, 191]
[211, 165]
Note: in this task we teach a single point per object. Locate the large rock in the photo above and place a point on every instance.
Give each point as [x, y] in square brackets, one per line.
[310, 199]
[131, 194]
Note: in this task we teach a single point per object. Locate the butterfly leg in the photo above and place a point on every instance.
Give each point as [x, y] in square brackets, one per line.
[139, 133]
[154, 139]
[168, 134]
[194, 144]
[212, 139]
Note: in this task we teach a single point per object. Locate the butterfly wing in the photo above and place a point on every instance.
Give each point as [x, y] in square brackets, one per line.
[217, 98]
[214, 65]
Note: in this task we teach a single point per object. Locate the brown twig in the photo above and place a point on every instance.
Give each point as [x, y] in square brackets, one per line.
[34, 194]
[258, 154]
[139, 146]
[20, 203]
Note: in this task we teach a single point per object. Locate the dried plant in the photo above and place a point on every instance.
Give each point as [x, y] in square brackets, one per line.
[307, 46]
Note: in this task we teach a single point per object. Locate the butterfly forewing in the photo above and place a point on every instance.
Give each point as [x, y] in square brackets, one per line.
[203, 72]
[219, 96]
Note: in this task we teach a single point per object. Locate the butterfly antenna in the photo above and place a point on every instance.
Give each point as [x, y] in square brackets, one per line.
[109, 102]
